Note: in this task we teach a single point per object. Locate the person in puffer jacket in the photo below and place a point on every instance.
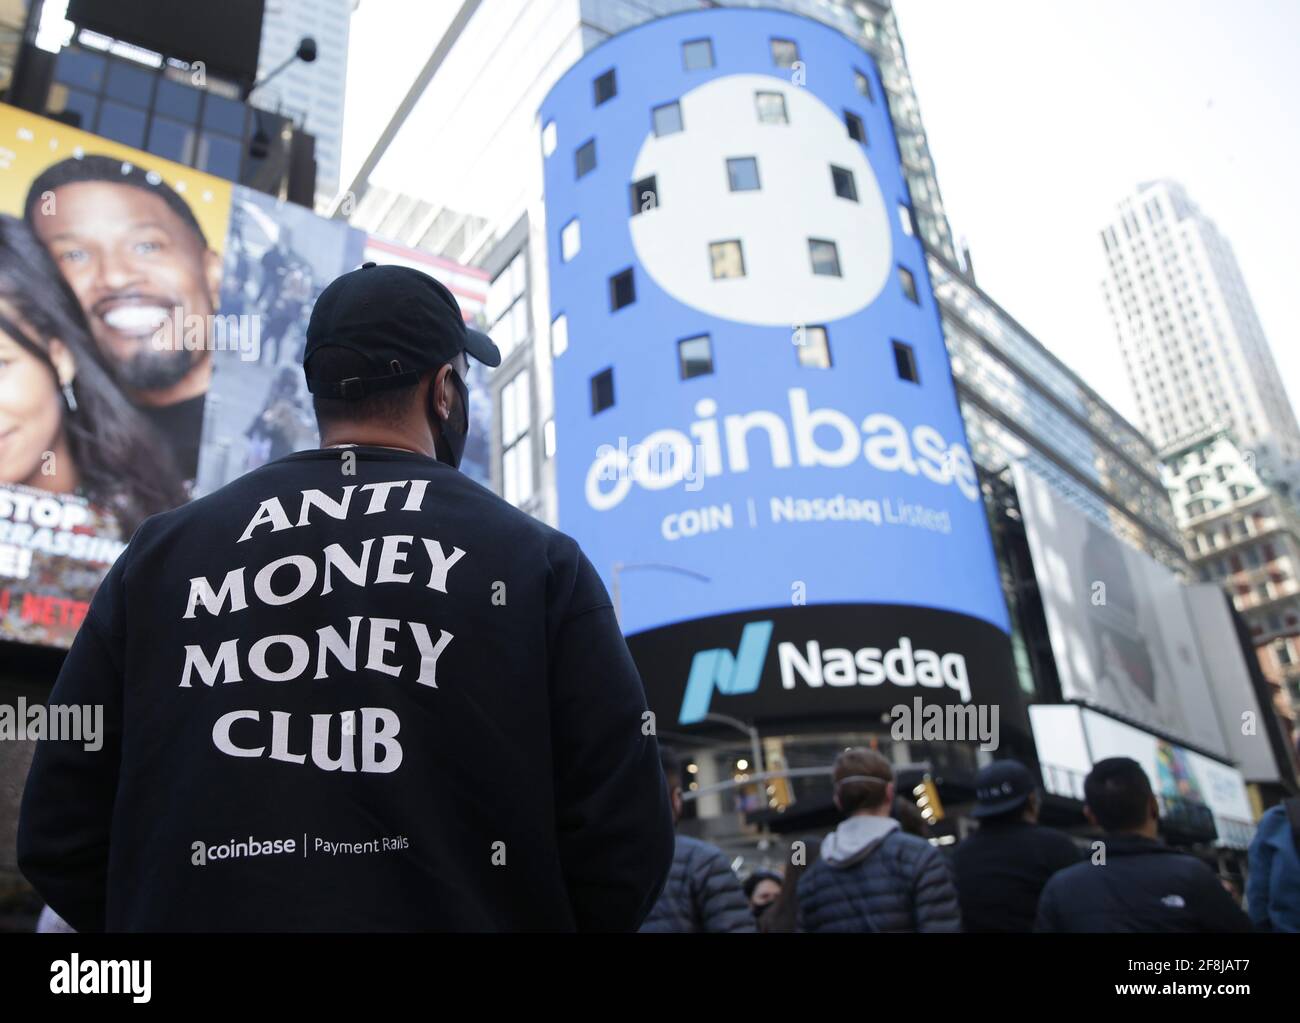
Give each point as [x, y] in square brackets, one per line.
[871, 876]
[702, 893]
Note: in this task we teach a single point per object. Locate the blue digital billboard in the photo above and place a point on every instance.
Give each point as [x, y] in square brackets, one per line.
[755, 416]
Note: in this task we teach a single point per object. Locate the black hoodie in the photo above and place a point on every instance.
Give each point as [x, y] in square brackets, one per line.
[351, 690]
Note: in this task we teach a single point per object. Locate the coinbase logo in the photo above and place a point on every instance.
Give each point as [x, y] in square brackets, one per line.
[794, 151]
[731, 674]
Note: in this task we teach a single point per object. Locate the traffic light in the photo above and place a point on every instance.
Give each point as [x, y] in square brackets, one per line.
[926, 794]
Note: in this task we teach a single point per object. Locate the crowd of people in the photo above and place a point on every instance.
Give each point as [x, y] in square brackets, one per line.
[878, 872]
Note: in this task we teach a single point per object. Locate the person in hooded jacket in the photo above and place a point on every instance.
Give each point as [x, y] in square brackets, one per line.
[702, 893]
[871, 875]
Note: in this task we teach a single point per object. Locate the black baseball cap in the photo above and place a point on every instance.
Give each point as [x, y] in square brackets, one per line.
[1001, 787]
[401, 321]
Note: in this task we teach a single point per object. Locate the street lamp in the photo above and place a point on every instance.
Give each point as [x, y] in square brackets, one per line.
[756, 751]
[620, 567]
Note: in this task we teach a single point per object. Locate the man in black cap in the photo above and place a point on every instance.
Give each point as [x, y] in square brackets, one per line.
[353, 690]
[1002, 868]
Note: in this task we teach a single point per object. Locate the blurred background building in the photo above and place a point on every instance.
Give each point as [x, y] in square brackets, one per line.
[1193, 347]
[1243, 534]
[311, 94]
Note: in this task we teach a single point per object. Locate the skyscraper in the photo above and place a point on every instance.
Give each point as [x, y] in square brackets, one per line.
[310, 93]
[1193, 347]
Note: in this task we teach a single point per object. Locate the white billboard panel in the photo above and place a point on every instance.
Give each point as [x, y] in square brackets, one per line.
[1119, 625]
[1070, 739]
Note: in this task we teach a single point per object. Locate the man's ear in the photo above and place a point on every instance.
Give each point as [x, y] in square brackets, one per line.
[1092, 817]
[889, 794]
[442, 392]
[212, 277]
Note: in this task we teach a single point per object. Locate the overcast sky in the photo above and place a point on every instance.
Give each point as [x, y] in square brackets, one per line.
[1041, 114]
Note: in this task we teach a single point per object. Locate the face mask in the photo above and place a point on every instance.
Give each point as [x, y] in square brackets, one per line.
[450, 447]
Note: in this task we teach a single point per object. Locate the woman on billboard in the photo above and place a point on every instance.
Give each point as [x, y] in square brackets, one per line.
[65, 427]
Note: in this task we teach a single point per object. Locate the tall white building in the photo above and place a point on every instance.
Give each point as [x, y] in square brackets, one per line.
[1194, 351]
[310, 93]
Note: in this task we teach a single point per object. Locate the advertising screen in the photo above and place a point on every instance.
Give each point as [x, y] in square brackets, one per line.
[758, 440]
[152, 323]
[1071, 739]
[226, 36]
[1119, 623]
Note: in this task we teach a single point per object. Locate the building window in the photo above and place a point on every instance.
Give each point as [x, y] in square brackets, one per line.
[813, 347]
[584, 160]
[863, 84]
[602, 391]
[605, 87]
[622, 290]
[695, 356]
[905, 362]
[559, 336]
[857, 130]
[644, 195]
[697, 54]
[548, 138]
[516, 443]
[570, 240]
[908, 282]
[742, 174]
[506, 309]
[784, 52]
[771, 108]
[726, 259]
[667, 118]
[845, 186]
[825, 257]
[905, 219]
[1195, 485]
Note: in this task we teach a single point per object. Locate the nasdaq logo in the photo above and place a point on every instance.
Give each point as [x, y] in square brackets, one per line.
[731, 674]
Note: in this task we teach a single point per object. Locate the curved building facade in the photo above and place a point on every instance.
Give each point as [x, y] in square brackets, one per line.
[758, 438]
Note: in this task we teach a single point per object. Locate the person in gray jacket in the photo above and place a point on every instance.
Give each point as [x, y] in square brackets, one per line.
[702, 893]
[872, 876]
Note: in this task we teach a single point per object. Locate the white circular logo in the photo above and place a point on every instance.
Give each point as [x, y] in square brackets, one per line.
[796, 201]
